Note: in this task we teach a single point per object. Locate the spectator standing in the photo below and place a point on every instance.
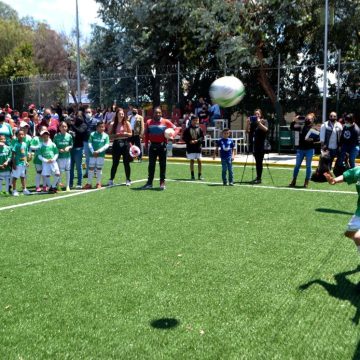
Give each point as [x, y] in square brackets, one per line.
[91, 123]
[5, 129]
[137, 127]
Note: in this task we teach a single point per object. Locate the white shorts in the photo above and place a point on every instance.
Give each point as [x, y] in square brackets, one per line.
[4, 175]
[64, 164]
[96, 162]
[354, 224]
[193, 156]
[49, 169]
[20, 172]
[38, 168]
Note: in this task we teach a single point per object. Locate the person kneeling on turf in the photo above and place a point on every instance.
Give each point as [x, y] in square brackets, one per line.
[351, 176]
[48, 154]
[98, 144]
[193, 137]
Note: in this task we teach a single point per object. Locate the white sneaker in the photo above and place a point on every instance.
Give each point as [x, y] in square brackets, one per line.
[15, 193]
[78, 187]
[128, 182]
[110, 183]
[26, 192]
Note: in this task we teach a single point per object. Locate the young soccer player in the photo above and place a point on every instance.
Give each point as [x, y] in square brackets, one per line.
[19, 163]
[351, 176]
[48, 154]
[227, 154]
[64, 142]
[35, 144]
[193, 137]
[98, 144]
[5, 157]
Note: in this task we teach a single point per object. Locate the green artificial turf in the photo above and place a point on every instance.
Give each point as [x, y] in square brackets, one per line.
[199, 271]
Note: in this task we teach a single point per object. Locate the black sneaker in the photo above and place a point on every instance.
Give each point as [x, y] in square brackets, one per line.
[193, 178]
[257, 181]
[162, 185]
[200, 177]
[147, 187]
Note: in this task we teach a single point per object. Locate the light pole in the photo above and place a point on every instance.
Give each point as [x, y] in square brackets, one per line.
[325, 59]
[78, 52]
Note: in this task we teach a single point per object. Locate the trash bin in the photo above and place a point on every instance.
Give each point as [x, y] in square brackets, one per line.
[286, 139]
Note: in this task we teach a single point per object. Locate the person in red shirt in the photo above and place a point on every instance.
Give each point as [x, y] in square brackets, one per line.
[155, 133]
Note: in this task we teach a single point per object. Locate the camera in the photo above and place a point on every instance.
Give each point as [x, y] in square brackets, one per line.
[301, 117]
[253, 119]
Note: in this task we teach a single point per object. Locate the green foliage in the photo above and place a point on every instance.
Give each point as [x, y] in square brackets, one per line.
[7, 12]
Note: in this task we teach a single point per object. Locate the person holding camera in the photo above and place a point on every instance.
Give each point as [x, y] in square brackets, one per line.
[257, 128]
[305, 148]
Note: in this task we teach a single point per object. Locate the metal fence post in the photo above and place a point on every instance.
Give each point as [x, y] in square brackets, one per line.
[338, 82]
[12, 93]
[100, 88]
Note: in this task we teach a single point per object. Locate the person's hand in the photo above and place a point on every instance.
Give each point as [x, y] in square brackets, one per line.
[232, 158]
[2, 166]
[50, 161]
[95, 154]
[193, 141]
[61, 150]
[330, 179]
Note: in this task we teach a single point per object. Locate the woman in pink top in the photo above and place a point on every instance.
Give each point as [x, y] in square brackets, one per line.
[120, 132]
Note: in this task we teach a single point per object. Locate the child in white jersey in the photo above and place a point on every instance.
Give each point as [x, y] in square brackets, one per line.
[48, 154]
[5, 157]
[64, 142]
[98, 144]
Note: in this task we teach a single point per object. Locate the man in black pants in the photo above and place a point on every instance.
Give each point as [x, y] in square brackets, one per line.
[155, 133]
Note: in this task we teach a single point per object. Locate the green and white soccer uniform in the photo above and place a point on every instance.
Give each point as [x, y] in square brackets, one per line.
[99, 142]
[5, 156]
[63, 141]
[20, 151]
[6, 130]
[49, 151]
[35, 146]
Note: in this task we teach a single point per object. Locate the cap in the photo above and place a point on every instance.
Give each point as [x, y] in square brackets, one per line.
[23, 124]
[31, 106]
[44, 132]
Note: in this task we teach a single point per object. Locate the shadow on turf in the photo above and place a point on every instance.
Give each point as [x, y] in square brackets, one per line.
[141, 189]
[344, 289]
[333, 211]
[164, 323]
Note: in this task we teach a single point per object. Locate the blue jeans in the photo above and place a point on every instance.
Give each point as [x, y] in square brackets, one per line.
[87, 156]
[76, 159]
[353, 152]
[300, 154]
[227, 166]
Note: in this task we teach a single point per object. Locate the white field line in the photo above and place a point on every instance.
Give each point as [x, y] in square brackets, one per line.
[75, 193]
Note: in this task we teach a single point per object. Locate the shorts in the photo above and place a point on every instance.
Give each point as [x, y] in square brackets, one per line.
[96, 162]
[4, 174]
[50, 169]
[193, 156]
[38, 168]
[64, 164]
[354, 224]
[20, 172]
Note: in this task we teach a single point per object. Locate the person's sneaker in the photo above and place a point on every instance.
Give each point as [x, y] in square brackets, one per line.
[45, 189]
[147, 187]
[67, 189]
[257, 181]
[110, 183]
[26, 192]
[128, 183]
[78, 187]
[224, 183]
[231, 184]
[98, 186]
[200, 177]
[87, 187]
[162, 185]
[52, 190]
[15, 193]
[38, 189]
[61, 185]
[85, 176]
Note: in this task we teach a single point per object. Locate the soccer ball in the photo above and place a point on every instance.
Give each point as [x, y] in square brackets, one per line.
[227, 91]
[169, 133]
[134, 151]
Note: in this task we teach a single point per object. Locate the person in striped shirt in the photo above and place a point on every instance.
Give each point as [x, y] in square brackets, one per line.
[155, 133]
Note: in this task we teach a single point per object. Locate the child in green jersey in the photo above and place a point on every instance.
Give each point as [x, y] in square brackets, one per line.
[98, 144]
[5, 157]
[351, 176]
[48, 154]
[35, 146]
[64, 142]
[19, 163]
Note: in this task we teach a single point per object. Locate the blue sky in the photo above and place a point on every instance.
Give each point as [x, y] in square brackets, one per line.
[59, 14]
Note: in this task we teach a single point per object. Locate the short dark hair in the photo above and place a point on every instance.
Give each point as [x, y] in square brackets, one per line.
[100, 123]
[349, 118]
[226, 129]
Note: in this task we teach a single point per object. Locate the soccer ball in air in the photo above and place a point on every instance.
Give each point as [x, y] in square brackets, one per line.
[169, 133]
[134, 151]
[227, 91]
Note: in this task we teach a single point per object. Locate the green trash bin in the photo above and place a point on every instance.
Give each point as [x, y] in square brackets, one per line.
[286, 139]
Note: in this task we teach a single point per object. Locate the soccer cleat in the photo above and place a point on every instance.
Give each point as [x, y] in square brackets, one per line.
[162, 185]
[110, 183]
[231, 184]
[147, 187]
[15, 193]
[26, 192]
[87, 187]
[128, 183]
[98, 186]
[67, 189]
[45, 189]
[38, 189]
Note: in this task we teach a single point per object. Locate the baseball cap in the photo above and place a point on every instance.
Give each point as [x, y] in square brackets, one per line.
[23, 124]
[44, 132]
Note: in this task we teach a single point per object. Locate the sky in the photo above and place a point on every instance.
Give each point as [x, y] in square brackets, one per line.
[59, 14]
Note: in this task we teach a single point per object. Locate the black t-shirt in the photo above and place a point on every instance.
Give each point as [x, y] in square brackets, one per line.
[257, 136]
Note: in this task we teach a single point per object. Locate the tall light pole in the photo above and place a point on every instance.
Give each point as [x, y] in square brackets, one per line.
[78, 52]
[325, 59]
